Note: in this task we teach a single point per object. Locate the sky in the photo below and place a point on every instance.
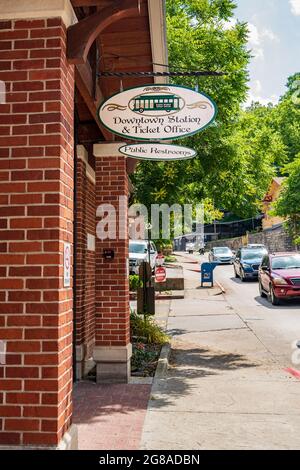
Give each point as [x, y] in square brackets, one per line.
[275, 43]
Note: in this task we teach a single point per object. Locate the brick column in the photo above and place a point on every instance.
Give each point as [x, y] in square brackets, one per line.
[36, 197]
[113, 349]
[85, 264]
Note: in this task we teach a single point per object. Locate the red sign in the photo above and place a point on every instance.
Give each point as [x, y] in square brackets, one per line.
[160, 274]
[160, 259]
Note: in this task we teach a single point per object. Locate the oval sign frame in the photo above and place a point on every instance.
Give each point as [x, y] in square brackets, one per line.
[160, 159]
[198, 101]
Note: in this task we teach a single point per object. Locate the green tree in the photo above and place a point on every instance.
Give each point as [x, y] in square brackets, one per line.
[199, 39]
[288, 204]
[244, 149]
[286, 117]
[258, 152]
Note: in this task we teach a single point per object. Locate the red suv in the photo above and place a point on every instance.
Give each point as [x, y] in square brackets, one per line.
[279, 277]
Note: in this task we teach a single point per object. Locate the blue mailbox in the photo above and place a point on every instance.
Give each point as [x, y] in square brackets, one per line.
[207, 273]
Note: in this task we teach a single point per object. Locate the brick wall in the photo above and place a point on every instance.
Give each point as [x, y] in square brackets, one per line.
[36, 209]
[112, 285]
[85, 278]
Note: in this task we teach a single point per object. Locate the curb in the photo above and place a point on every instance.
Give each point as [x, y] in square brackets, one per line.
[163, 362]
[223, 291]
[170, 297]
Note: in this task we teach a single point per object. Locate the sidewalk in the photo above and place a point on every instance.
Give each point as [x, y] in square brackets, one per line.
[112, 416]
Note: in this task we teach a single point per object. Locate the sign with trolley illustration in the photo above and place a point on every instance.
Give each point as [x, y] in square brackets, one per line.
[157, 112]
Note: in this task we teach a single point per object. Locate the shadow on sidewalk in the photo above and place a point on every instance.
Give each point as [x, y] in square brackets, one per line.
[99, 403]
[188, 363]
[200, 358]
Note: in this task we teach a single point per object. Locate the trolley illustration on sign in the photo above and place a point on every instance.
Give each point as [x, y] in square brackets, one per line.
[147, 102]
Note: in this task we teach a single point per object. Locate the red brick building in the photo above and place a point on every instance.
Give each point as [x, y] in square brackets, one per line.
[57, 165]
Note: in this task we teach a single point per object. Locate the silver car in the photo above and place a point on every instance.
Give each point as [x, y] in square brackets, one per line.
[222, 255]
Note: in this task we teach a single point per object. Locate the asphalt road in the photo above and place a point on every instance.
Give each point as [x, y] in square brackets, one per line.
[276, 327]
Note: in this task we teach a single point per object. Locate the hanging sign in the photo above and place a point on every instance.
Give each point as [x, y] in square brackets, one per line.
[157, 152]
[157, 112]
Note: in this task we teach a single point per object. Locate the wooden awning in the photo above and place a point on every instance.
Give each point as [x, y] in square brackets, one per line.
[112, 36]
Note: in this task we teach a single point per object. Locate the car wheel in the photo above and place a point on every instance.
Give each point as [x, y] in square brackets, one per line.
[261, 291]
[272, 297]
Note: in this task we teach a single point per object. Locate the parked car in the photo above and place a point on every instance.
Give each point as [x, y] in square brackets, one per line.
[138, 252]
[190, 247]
[196, 245]
[279, 277]
[256, 246]
[247, 261]
[222, 255]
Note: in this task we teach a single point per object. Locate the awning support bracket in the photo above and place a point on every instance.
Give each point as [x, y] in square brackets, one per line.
[81, 35]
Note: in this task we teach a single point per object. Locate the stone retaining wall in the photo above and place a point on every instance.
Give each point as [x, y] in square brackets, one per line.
[275, 239]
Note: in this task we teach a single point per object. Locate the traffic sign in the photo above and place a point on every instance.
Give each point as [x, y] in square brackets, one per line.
[160, 259]
[160, 274]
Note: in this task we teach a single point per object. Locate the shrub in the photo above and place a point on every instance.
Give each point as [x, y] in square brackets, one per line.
[134, 282]
[170, 259]
[145, 330]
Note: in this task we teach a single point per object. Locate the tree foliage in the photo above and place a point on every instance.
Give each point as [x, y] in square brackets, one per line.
[198, 39]
[288, 204]
[244, 149]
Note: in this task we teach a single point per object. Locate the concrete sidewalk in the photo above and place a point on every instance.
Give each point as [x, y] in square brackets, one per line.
[223, 389]
[112, 416]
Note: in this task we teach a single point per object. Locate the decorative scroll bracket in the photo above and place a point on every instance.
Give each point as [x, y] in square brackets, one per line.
[81, 35]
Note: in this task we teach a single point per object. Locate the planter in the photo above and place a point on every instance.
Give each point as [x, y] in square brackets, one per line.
[144, 359]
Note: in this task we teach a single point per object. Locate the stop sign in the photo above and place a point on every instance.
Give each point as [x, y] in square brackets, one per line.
[160, 274]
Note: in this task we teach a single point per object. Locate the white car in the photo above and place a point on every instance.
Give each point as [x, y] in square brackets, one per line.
[256, 246]
[190, 247]
[138, 252]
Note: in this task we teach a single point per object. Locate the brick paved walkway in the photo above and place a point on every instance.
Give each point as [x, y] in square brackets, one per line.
[110, 416]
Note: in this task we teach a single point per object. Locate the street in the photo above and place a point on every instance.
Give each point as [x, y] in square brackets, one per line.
[226, 387]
